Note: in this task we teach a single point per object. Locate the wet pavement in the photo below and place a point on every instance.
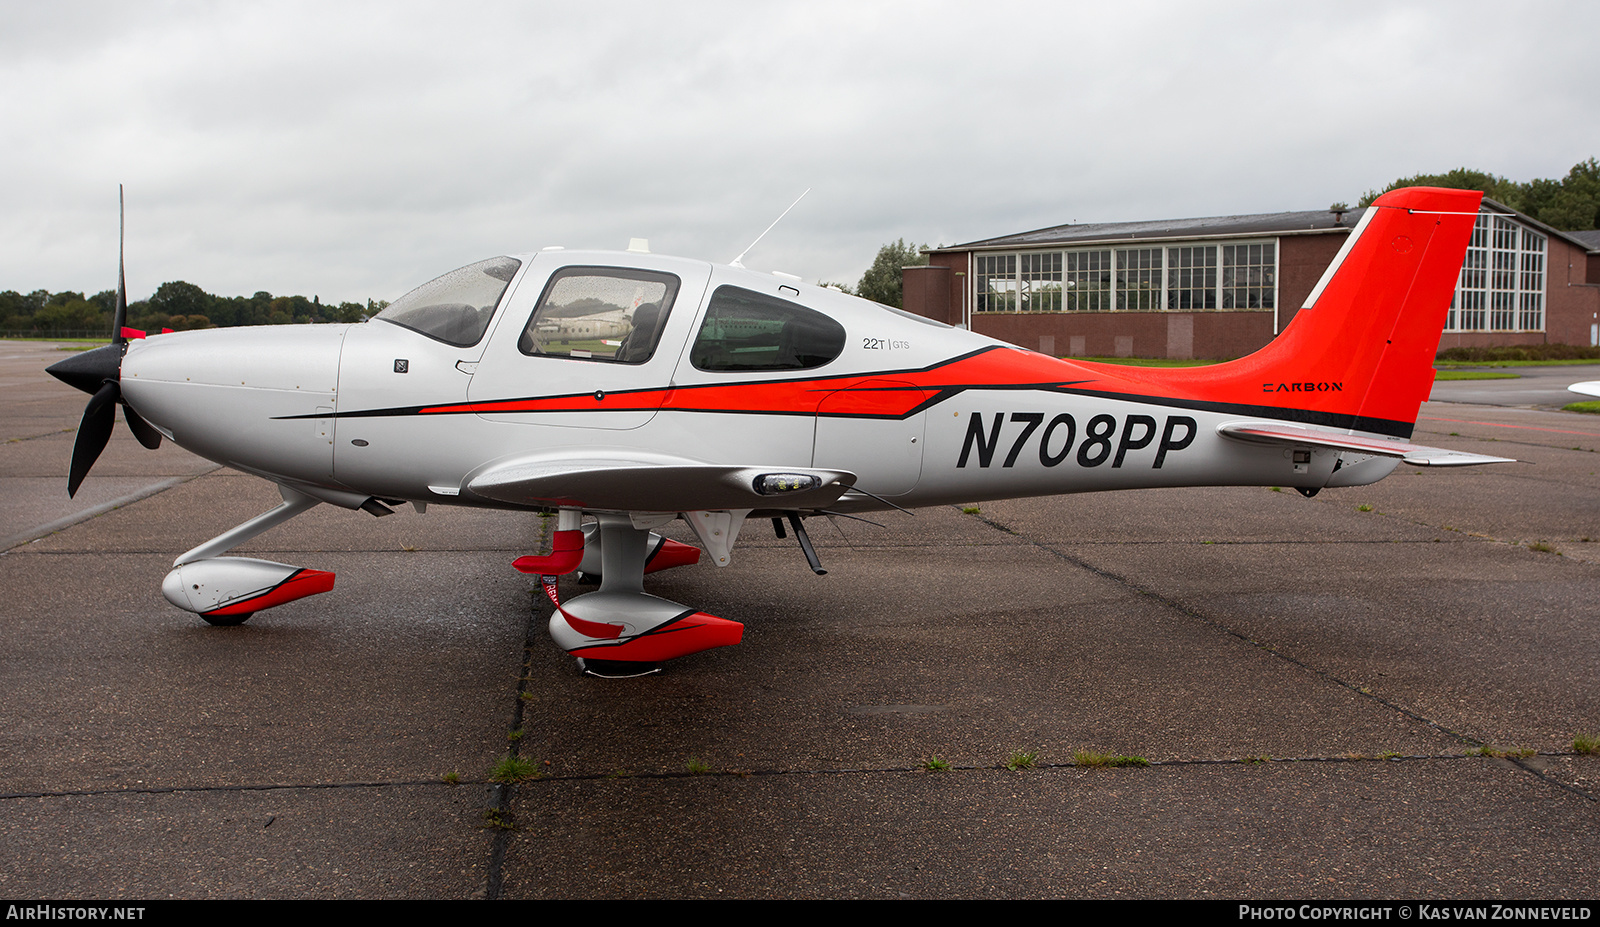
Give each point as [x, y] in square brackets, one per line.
[1372, 693]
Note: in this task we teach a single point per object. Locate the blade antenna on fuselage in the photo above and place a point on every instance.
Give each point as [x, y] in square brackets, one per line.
[769, 228]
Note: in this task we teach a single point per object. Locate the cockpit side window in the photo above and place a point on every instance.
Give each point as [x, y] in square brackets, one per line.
[611, 314]
[455, 308]
[746, 330]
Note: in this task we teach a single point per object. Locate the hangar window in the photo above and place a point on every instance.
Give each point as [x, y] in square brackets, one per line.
[1501, 287]
[455, 308]
[1193, 278]
[1088, 281]
[1040, 287]
[1139, 278]
[1182, 278]
[997, 282]
[746, 330]
[1531, 284]
[1249, 276]
[601, 313]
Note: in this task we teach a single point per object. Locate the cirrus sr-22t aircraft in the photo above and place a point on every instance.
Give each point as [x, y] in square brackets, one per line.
[622, 391]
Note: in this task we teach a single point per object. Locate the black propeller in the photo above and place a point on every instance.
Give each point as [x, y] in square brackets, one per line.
[99, 373]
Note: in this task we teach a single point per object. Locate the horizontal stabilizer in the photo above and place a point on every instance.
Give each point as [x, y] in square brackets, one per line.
[1285, 435]
[638, 481]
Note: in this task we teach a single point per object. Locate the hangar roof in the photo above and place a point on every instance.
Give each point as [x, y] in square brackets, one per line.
[1272, 223]
[1590, 239]
[1310, 222]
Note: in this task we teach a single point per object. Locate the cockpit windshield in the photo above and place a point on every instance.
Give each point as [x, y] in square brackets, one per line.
[455, 308]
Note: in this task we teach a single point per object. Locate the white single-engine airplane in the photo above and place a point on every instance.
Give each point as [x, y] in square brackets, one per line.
[715, 394]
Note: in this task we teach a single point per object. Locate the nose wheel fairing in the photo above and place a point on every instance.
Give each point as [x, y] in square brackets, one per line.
[238, 587]
[228, 590]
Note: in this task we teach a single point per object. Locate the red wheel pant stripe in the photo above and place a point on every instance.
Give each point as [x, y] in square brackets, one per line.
[672, 554]
[595, 629]
[694, 632]
[298, 585]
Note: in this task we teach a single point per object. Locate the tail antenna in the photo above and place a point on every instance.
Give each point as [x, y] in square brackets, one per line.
[735, 262]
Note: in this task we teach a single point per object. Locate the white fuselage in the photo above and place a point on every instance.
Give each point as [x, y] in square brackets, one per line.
[380, 410]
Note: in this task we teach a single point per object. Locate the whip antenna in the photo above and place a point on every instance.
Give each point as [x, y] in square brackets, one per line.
[769, 228]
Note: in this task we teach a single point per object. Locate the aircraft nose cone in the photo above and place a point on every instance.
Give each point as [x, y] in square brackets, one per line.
[87, 371]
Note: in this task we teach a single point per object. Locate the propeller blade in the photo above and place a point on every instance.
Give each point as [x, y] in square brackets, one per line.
[141, 429]
[120, 319]
[93, 433]
[99, 372]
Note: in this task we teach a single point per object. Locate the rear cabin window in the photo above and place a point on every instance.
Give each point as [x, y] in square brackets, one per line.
[746, 330]
[611, 314]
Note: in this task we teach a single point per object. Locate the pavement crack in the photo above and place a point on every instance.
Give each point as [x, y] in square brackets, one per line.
[61, 524]
[1182, 609]
[920, 769]
[254, 787]
[502, 794]
[1461, 534]
[1514, 442]
[47, 434]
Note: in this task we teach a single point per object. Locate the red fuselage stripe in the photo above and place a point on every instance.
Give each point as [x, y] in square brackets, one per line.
[898, 394]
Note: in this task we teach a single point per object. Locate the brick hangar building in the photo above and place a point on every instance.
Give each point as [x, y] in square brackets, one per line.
[1224, 287]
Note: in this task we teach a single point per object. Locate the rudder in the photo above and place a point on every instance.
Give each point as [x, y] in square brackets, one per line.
[1378, 314]
[1359, 354]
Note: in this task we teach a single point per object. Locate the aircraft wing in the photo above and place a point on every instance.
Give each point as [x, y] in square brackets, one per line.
[1587, 387]
[1287, 435]
[640, 481]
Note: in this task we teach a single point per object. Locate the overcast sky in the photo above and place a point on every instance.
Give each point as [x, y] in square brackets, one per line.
[352, 150]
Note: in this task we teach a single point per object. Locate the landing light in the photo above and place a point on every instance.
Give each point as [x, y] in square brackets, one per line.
[773, 484]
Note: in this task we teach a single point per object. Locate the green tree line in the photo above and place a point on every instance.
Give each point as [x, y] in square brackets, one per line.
[1570, 204]
[177, 305]
[881, 282]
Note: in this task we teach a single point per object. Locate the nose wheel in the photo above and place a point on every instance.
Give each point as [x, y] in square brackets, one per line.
[227, 621]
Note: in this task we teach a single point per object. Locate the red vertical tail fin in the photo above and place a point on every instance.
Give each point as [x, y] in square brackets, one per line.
[1378, 313]
[1359, 354]
[1362, 346]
